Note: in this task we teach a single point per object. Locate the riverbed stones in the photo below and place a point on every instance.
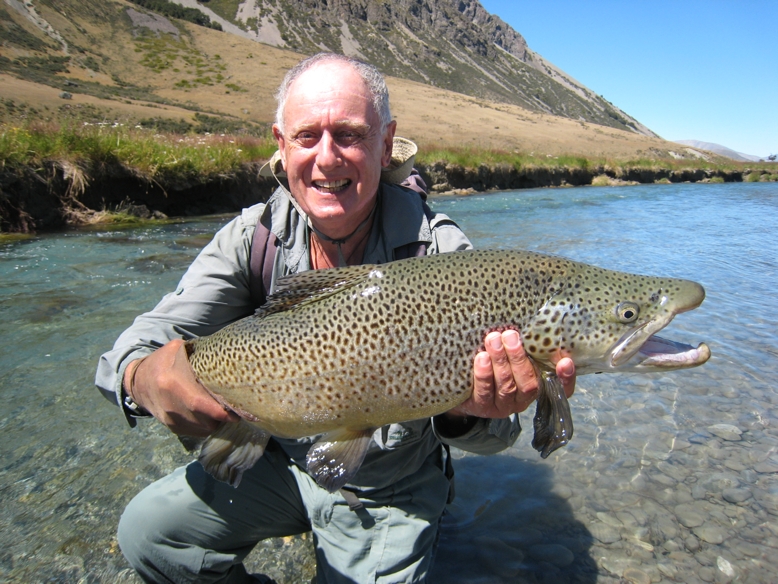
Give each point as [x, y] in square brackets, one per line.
[767, 466]
[636, 576]
[726, 432]
[605, 533]
[736, 495]
[689, 515]
[710, 532]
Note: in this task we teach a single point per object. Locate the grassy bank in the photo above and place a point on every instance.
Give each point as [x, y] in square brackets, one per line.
[54, 175]
[154, 156]
[474, 158]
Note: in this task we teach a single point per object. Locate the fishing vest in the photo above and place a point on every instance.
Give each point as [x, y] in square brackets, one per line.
[264, 245]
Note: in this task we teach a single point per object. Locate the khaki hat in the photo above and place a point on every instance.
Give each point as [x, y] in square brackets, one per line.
[273, 167]
[403, 156]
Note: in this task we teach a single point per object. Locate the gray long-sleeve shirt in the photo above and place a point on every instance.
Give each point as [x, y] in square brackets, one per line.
[215, 291]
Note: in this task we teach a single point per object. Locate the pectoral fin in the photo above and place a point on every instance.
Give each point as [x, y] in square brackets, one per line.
[553, 422]
[336, 457]
[233, 449]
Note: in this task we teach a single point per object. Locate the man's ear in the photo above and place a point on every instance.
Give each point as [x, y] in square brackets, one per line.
[391, 127]
[281, 144]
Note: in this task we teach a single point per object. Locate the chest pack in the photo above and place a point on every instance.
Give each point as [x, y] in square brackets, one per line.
[264, 246]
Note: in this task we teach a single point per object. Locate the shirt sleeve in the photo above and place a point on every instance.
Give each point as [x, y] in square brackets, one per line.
[213, 292]
[488, 436]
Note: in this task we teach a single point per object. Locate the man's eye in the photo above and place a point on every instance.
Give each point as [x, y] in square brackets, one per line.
[306, 139]
[349, 138]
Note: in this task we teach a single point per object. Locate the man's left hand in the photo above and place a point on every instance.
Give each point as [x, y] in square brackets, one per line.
[505, 381]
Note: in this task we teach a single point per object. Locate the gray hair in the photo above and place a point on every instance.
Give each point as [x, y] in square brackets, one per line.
[372, 77]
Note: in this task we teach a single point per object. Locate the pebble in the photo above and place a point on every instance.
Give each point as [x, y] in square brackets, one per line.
[689, 516]
[726, 432]
[691, 543]
[725, 566]
[736, 495]
[768, 499]
[676, 472]
[563, 491]
[735, 464]
[710, 533]
[636, 576]
[706, 574]
[668, 570]
[766, 467]
[604, 532]
[609, 519]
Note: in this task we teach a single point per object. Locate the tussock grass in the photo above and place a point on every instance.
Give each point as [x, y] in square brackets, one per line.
[146, 153]
[473, 157]
[81, 149]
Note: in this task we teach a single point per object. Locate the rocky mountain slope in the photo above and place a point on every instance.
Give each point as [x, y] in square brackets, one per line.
[451, 44]
[154, 64]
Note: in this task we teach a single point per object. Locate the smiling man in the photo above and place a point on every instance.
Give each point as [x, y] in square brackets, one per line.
[333, 144]
[336, 205]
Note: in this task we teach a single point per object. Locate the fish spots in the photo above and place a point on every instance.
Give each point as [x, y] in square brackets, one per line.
[410, 347]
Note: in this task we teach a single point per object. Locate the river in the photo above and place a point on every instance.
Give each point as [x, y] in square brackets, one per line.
[670, 477]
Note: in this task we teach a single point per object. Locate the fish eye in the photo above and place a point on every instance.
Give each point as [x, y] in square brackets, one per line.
[627, 312]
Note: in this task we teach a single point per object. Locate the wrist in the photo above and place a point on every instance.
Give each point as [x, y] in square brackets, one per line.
[129, 390]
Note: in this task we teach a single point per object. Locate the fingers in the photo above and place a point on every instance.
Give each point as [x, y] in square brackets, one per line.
[515, 377]
[504, 379]
[565, 370]
[483, 386]
[165, 384]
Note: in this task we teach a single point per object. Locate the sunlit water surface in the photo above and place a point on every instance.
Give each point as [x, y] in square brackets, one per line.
[669, 478]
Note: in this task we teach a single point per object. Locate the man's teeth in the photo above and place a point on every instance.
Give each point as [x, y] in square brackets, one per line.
[332, 185]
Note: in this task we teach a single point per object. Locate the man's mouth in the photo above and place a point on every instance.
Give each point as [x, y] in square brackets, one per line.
[331, 186]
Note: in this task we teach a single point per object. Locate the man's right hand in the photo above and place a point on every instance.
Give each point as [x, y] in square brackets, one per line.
[165, 385]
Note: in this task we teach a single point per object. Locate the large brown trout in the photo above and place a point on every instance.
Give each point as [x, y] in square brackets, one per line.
[342, 352]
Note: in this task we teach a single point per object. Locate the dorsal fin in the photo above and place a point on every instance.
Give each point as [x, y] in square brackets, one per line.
[312, 286]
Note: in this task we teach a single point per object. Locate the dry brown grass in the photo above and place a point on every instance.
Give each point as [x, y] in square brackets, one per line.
[434, 118]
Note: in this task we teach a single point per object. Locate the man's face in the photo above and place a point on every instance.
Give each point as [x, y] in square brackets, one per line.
[332, 148]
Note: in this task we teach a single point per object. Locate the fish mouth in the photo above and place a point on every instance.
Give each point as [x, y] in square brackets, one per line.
[642, 350]
[659, 353]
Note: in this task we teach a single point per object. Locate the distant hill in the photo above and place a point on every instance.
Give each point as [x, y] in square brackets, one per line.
[720, 150]
[451, 44]
[458, 76]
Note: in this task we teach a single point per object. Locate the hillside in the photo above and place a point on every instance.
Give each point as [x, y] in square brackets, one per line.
[720, 150]
[451, 44]
[118, 62]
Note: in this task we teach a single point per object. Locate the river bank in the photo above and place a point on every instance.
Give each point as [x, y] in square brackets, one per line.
[58, 195]
[54, 178]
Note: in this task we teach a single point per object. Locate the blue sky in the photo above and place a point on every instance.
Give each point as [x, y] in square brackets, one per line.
[687, 69]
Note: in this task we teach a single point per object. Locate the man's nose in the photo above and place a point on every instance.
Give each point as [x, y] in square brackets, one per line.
[328, 155]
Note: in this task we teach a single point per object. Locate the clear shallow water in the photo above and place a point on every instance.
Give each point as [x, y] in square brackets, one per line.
[652, 487]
